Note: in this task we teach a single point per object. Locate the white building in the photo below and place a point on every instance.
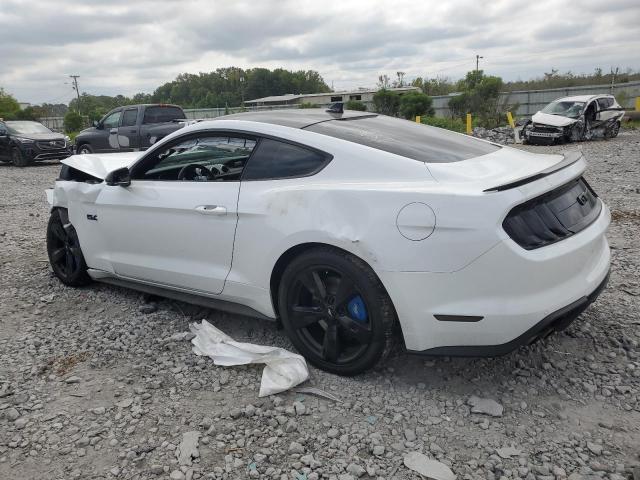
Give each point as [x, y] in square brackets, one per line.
[364, 95]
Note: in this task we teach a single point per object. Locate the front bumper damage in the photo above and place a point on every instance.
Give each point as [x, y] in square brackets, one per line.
[541, 134]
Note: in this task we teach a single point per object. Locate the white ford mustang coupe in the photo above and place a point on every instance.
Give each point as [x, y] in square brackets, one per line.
[351, 228]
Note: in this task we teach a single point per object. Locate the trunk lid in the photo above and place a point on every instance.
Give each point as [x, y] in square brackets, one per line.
[501, 170]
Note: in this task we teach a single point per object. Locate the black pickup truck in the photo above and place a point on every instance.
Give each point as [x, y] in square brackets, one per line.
[130, 128]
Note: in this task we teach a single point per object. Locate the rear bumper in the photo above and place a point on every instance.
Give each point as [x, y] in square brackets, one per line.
[555, 322]
[506, 297]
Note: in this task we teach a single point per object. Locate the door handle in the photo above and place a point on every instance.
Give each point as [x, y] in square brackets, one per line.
[211, 210]
[113, 131]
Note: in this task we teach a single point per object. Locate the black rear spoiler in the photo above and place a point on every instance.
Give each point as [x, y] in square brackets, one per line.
[569, 159]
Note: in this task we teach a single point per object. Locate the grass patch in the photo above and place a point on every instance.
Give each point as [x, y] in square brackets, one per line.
[454, 124]
[630, 124]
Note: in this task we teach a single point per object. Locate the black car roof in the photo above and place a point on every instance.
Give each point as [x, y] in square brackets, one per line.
[296, 118]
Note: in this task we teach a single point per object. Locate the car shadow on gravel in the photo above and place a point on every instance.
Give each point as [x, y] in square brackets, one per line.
[36, 164]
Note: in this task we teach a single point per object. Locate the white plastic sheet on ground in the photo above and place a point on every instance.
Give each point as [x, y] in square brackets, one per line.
[283, 369]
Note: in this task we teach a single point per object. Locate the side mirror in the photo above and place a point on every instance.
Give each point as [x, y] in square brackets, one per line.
[97, 125]
[120, 177]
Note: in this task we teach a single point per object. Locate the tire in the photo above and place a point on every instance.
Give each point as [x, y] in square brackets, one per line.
[84, 149]
[614, 131]
[343, 324]
[63, 248]
[18, 159]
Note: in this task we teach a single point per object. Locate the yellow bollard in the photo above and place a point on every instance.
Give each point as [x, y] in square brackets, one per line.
[637, 104]
[469, 129]
[417, 118]
[512, 124]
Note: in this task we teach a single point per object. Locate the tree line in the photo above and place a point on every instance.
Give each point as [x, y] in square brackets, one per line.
[231, 86]
[224, 87]
[553, 79]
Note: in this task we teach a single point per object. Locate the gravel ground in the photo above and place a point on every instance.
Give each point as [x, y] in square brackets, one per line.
[93, 386]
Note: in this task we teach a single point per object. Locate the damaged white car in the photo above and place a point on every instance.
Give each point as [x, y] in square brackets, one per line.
[350, 228]
[572, 119]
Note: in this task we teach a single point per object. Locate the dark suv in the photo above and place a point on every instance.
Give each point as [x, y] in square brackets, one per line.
[25, 142]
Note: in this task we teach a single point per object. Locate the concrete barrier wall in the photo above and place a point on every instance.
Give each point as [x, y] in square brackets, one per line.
[53, 123]
[530, 101]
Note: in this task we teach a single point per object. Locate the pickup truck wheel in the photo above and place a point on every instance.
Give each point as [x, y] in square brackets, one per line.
[63, 248]
[18, 159]
[84, 149]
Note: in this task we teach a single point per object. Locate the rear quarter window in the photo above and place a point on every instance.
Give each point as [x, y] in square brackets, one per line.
[274, 159]
[162, 114]
[405, 138]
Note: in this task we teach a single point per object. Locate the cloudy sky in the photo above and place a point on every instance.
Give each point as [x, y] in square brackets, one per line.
[125, 46]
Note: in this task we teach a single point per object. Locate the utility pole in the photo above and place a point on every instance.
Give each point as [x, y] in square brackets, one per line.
[613, 78]
[478, 57]
[75, 87]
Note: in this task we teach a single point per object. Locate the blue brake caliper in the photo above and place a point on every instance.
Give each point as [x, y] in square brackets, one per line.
[357, 309]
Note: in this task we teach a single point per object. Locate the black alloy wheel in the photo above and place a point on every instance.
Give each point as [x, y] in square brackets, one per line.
[336, 311]
[63, 247]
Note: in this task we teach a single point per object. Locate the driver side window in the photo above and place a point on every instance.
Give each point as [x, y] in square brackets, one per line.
[112, 120]
[210, 157]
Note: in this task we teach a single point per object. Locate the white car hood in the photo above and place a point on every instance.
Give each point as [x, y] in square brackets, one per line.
[100, 164]
[553, 120]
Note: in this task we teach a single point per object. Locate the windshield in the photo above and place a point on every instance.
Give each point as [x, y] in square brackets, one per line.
[27, 128]
[564, 108]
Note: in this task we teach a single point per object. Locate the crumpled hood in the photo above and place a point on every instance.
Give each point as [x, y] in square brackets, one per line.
[553, 120]
[100, 164]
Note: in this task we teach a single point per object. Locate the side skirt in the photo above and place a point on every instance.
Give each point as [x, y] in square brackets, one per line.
[181, 296]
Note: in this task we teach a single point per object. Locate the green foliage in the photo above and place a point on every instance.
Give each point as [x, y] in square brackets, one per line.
[224, 87]
[555, 79]
[9, 106]
[308, 105]
[630, 124]
[415, 103]
[29, 113]
[72, 121]
[96, 106]
[480, 97]
[355, 105]
[232, 85]
[434, 86]
[455, 124]
[386, 102]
